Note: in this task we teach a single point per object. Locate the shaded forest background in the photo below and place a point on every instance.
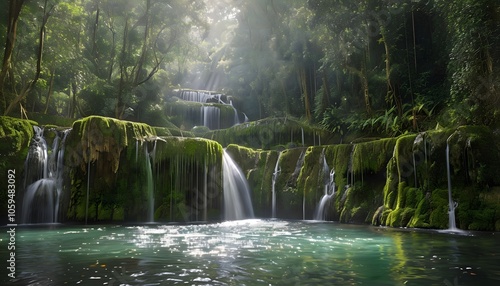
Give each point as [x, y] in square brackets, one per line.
[374, 66]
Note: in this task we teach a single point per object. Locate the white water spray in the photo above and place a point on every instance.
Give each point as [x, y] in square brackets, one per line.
[237, 201]
[276, 172]
[451, 204]
[44, 179]
[329, 191]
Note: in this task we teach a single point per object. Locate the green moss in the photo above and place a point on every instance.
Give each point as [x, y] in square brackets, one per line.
[338, 157]
[270, 132]
[373, 155]
[191, 149]
[162, 131]
[439, 209]
[95, 137]
[15, 135]
[394, 218]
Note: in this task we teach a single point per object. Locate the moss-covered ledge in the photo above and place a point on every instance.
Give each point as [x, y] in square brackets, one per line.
[95, 137]
[190, 148]
[15, 138]
[15, 135]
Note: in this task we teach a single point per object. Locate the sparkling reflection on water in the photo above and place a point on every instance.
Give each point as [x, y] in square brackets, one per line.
[252, 252]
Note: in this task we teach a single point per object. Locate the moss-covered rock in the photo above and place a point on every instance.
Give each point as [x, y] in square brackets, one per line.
[15, 137]
[270, 132]
[97, 138]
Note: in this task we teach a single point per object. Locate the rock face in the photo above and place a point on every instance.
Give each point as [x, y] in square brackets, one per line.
[398, 182]
[15, 137]
[122, 171]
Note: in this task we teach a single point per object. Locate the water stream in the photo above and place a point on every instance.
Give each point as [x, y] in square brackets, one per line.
[43, 178]
[237, 201]
[451, 204]
[276, 172]
[251, 252]
[328, 190]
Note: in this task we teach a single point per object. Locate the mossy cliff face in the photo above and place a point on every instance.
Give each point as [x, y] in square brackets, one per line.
[188, 179]
[103, 139]
[398, 182]
[15, 137]
[121, 162]
[268, 133]
[96, 148]
[416, 193]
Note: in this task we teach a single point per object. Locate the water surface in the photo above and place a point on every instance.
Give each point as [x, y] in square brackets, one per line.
[251, 252]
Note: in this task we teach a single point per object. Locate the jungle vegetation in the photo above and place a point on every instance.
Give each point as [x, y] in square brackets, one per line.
[381, 67]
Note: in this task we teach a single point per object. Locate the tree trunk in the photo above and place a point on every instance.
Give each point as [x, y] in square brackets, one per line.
[392, 95]
[283, 88]
[305, 93]
[120, 105]
[95, 52]
[364, 83]
[31, 85]
[14, 10]
[142, 58]
[325, 100]
[49, 93]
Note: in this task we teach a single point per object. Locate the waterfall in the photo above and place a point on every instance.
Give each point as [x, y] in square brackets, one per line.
[88, 193]
[43, 180]
[237, 201]
[451, 204]
[236, 116]
[211, 117]
[199, 96]
[276, 172]
[149, 180]
[329, 191]
[210, 110]
[295, 175]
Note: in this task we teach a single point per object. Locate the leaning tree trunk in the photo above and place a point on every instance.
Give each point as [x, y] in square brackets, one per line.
[41, 36]
[392, 95]
[14, 11]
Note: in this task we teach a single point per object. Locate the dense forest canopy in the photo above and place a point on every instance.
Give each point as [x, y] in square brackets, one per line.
[376, 66]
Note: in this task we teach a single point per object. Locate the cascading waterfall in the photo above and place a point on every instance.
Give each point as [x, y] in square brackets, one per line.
[320, 213]
[43, 179]
[236, 119]
[237, 201]
[149, 180]
[276, 172]
[329, 191]
[209, 114]
[148, 164]
[451, 204]
[211, 117]
[200, 96]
